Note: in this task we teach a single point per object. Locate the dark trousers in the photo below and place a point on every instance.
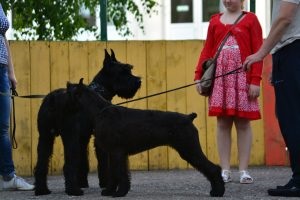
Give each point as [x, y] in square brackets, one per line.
[286, 80]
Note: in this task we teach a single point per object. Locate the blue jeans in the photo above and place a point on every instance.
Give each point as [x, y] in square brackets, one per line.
[7, 169]
[286, 80]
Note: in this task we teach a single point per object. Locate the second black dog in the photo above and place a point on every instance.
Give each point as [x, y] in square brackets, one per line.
[122, 131]
[58, 117]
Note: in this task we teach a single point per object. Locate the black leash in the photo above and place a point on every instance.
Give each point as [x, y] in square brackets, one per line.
[235, 71]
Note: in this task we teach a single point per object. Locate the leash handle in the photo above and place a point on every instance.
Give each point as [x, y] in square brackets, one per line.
[13, 120]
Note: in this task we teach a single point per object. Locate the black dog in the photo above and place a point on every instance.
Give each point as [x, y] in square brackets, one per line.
[122, 131]
[57, 117]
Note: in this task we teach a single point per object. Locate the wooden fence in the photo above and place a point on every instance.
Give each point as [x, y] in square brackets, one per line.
[44, 66]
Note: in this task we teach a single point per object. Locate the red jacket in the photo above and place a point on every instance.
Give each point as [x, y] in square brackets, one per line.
[248, 34]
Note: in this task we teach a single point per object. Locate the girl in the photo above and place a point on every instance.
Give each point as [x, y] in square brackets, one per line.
[234, 97]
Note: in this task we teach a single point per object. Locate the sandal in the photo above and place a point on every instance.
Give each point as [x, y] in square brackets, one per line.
[245, 177]
[226, 175]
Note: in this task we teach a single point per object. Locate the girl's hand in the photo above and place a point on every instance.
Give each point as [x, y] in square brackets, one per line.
[254, 91]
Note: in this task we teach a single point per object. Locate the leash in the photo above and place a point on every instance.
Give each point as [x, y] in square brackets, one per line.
[235, 71]
[23, 96]
[13, 120]
[12, 126]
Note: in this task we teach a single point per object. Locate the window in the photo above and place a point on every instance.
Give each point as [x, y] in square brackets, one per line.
[210, 7]
[181, 11]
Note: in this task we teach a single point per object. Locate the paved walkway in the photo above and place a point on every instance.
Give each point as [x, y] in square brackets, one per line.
[167, 185]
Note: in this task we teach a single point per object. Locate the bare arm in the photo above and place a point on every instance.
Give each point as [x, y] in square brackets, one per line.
[286, 15]
[11, 72]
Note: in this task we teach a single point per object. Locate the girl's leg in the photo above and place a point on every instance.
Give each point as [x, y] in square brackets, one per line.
[244, 141]
[224, 125]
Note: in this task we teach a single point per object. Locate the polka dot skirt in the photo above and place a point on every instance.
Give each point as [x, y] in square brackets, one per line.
[230, 93]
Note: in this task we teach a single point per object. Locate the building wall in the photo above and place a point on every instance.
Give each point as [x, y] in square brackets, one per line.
[159, 26]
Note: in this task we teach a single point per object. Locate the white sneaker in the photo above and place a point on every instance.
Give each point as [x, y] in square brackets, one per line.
[17, 183]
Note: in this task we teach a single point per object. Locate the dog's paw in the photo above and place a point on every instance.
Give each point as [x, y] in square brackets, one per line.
[107, 192]
[74, 192]
[102, 184]
[83, 184]
[41, 191]
[120, 193]
[217, 192]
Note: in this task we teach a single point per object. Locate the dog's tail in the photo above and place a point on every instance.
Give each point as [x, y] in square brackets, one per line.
[192, 116]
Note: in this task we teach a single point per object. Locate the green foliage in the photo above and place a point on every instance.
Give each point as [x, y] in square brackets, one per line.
[61, 19]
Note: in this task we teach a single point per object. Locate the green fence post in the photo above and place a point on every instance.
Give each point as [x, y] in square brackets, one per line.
[103, 19]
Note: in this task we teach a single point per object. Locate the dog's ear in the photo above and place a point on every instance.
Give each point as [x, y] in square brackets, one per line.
[113, 56]
[107, 58]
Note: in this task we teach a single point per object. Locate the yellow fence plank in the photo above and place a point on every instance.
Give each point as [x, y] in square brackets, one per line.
[22, 155]
[136, 56]
[40, 70]
[195, 102]
[59, 74]
[156, 82]
[95, 60]
[78, 59]
[176, 100]
[120, 51]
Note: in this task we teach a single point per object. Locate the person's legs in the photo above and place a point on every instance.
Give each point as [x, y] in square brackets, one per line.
[7, 169]
[286, 73]
[224, 126]
[6, 162]
[244, 142]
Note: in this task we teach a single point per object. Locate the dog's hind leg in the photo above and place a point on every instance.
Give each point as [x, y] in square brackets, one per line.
[71, 152]
[44, 152]
[84, 162]
[190, 150]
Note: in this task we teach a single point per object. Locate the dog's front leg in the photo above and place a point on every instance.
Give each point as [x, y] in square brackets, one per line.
[123, 174]
[119, 178]
[112, 182]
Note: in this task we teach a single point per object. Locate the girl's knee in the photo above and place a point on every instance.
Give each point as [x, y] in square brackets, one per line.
[241, 123]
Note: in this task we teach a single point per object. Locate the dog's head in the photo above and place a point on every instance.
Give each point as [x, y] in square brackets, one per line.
[117, 78]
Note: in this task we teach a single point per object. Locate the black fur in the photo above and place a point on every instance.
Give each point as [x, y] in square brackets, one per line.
[58, 117]
[122, 131]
